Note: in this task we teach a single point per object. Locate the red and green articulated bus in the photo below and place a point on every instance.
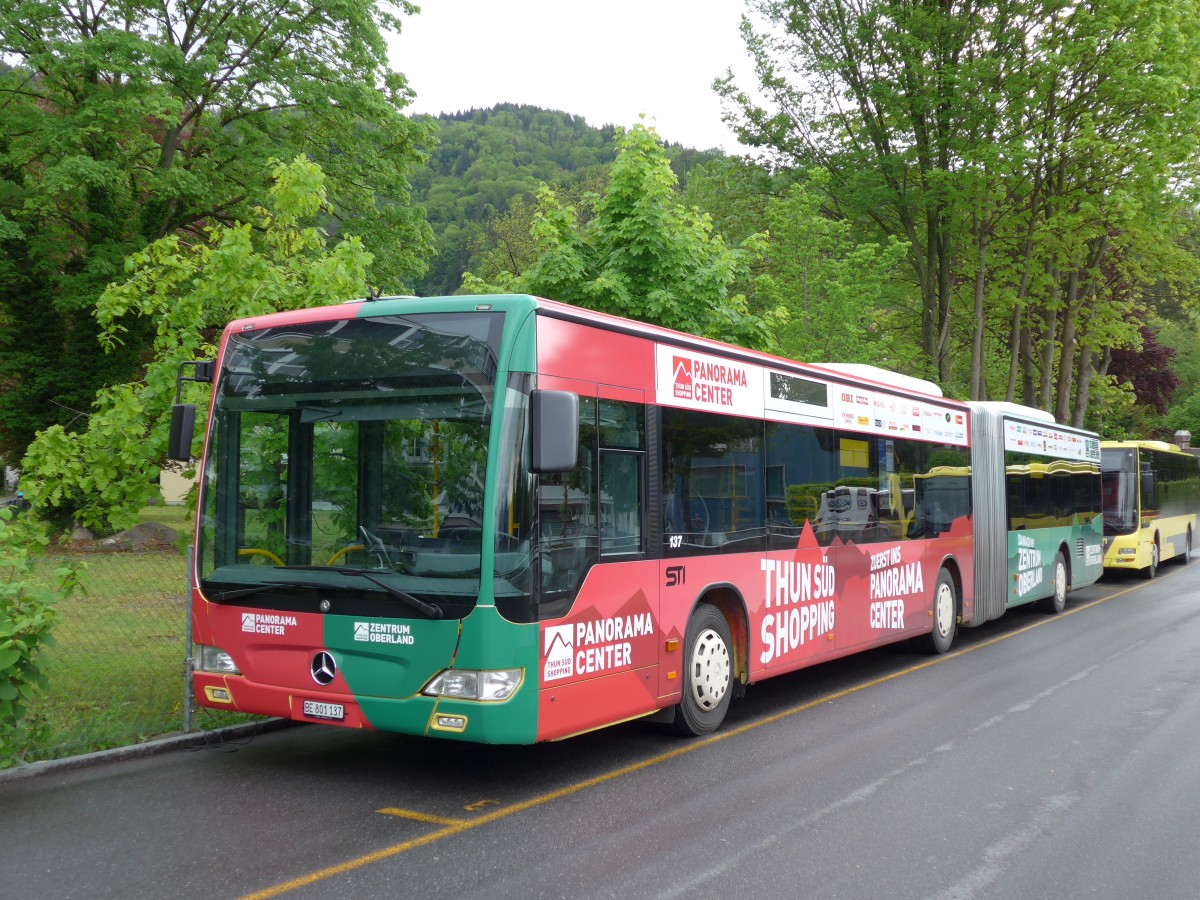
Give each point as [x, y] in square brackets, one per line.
[508, 520]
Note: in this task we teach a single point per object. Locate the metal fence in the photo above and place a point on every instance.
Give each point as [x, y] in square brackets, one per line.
[116, 670]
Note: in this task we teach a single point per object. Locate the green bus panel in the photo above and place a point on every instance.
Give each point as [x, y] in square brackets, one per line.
[1031, 560]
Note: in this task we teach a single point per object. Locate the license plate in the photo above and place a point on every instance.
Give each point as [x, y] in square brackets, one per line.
[318, 710]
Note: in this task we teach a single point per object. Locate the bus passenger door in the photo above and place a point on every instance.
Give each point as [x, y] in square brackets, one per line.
[600, 652]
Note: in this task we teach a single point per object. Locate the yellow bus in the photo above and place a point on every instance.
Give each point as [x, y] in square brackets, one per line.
[1151, 500]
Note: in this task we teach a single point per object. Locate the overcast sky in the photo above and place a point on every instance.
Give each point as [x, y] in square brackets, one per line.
[606, 60]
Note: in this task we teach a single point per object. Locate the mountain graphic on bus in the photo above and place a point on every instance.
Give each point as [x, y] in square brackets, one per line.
[558, 637]
[683, 377]
[559, 647]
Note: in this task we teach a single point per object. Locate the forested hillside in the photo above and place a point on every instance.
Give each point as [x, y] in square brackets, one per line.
[486, 158]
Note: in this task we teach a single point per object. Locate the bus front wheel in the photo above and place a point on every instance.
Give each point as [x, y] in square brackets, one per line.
[1151, 570]
[1056, 602]
[945, 614]
[707, 672]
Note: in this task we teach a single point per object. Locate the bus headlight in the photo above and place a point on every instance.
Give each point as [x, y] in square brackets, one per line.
[214, 659]
[475, 684]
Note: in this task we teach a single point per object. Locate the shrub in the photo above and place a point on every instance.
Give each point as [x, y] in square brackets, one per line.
[26, 617]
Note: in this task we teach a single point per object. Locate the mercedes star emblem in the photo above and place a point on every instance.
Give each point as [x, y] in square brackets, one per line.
[323, 668]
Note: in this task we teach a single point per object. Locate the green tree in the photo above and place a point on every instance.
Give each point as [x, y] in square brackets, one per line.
[734, 191]
[641, 254]
[876, 103]
[507, 245]
[842, 296]
[1108, 122]
[124, 123]
[102, 476]
[1030, 153]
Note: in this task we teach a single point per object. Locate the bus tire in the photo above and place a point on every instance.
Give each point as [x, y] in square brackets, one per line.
[945, 615]
[1151, 570]
[1187, 550]
[707, 673]
[1056, 602]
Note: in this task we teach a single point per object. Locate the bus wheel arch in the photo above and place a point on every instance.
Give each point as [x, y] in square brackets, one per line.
[732, 606]
[947, 608]
[950, 566]
[1061, 581]
[714, 661]
[1155, 556]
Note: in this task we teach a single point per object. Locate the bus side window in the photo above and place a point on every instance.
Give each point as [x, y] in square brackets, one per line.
[1149, 488]
[622, 431]
[801, 467]
[712, 498]
[621, 484]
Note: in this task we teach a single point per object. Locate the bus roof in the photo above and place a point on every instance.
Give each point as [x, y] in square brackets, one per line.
[847, 373]
[1146, 445]
[1014, 409]
[854, 373]
[885, 377]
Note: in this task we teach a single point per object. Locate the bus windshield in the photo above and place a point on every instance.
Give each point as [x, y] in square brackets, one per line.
[1119, 469]
[347, 459]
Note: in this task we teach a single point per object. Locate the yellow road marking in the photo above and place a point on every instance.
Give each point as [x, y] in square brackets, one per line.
[458, 826]
[480, 804]
[420, 816]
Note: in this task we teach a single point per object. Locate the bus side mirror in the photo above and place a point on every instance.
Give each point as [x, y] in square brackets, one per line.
[183, 415]
[183, 427]
[553, 431]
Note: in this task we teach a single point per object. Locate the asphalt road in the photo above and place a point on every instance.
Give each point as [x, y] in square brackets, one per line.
[1042, 757]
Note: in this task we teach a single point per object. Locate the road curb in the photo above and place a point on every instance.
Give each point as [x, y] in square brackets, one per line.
[191, 740]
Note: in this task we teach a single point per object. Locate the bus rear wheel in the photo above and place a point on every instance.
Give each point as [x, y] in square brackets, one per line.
[1056, 602]
[945, 614]
[707, 673]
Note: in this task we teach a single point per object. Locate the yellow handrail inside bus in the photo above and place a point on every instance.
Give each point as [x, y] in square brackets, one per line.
[343, 552]
[255, 551]
[896, 501]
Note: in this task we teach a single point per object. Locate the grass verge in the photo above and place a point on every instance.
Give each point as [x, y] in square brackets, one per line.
[116, 671]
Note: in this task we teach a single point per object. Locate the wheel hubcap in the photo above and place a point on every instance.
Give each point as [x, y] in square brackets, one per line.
[944, 612]
[710, 670]
[1060, 584]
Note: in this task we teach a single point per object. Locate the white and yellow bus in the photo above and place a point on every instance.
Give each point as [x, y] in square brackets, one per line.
[1151, 500]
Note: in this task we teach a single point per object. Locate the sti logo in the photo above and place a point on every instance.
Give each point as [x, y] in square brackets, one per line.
[683, 377]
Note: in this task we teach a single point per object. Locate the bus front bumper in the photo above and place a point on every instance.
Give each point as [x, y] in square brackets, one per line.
[498, 723]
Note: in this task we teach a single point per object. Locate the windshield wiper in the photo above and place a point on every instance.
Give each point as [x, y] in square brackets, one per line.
[421, 606]
[429, 609]
[226, 596]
